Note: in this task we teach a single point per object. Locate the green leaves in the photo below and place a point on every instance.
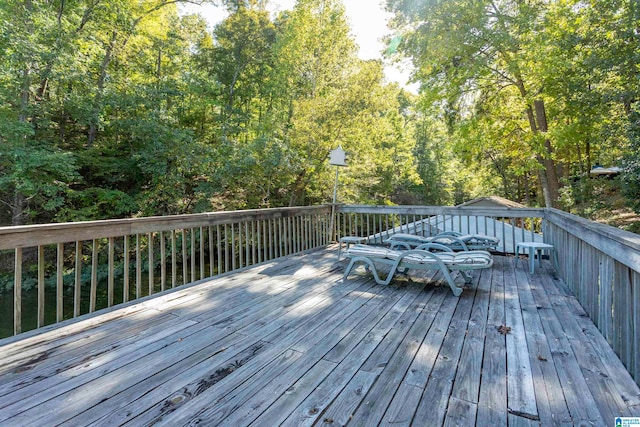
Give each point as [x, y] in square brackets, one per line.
[553, 82]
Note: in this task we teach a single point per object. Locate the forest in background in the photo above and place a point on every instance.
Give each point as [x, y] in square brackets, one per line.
[112, 109]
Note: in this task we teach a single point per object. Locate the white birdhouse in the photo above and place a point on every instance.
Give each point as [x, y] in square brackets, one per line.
[338, 157]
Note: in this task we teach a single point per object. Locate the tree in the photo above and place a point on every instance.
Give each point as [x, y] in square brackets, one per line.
[465, 51]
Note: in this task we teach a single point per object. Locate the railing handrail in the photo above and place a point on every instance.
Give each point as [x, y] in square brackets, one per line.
[22, 236]
[621, 245]
[505, 212]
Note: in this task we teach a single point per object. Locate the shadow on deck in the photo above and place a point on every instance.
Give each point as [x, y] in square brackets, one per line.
[290, 342]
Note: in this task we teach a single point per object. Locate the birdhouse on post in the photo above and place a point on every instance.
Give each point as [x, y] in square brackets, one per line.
[338, 157]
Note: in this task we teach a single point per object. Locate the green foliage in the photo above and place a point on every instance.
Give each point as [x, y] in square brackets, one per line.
[631, 164]
[118, 109]
[494, 72]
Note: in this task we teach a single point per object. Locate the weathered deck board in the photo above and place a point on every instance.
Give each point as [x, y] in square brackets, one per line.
[290, 343]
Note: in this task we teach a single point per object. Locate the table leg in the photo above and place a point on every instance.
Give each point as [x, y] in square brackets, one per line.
[532, 264]
[540, 252]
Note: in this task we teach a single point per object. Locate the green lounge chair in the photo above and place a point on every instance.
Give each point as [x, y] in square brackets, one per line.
[452, 239]
[447, 262]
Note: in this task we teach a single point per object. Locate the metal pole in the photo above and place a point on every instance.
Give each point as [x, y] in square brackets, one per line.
[333, 207]
[335, 186]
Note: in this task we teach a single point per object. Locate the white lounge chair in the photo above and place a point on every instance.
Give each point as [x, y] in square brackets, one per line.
[447, 262]
[456, 241]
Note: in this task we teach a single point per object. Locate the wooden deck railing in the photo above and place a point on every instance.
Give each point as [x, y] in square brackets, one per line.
[77, 268]
[601, 265]
[98, 264]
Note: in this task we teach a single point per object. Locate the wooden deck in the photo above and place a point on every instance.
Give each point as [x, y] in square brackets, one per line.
[289, 343]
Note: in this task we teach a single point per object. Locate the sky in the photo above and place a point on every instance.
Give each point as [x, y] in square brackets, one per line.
[368, 21]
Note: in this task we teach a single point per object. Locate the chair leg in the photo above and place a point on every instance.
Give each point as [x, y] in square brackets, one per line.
[447, 275]
[467, 277]
[368, 263]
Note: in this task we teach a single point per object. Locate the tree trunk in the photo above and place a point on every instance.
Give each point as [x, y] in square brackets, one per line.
[547, 157]
[538, 123]
[17, 208]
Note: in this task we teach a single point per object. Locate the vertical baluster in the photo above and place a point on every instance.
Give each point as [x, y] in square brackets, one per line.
[287, 237]
[278, 237]
[94, 276]
[226, 248]
[125, 285]
[174, 260]
[368, 219]
[270, 237]
[40, 286]
[219, 244]
[78, 280]
[253, 241]
[247, 247]
[211, 252]
[240, 245]
[138, 267]
[294, 233]
[233, 246]
[259, 240]
[306, 239]
[17, 292]
[287, 233]
[283, 236]
[163, 263]
[192, 232]
[110, 273]
[151, 262]
[201, 253]
[185, 266]
[59, 283]
[299, 231]
[388, 222]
